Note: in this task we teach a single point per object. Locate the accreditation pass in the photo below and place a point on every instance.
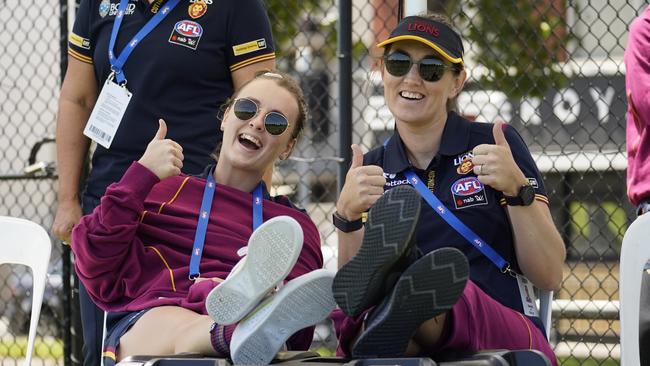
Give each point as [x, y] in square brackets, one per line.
[107, 114]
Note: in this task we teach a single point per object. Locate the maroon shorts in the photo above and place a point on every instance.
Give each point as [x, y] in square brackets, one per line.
[476, 322]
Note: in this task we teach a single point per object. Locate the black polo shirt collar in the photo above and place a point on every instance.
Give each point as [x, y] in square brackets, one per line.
[455, 140]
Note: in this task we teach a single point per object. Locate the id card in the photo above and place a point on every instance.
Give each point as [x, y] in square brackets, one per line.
[528, 298]
[107, 114]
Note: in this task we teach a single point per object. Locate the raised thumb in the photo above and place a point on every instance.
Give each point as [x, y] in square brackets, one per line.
[499, 136]
[162, 130]
[357, 156]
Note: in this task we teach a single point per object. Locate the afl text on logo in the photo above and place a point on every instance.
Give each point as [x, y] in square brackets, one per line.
[467, 192]
[186, 33]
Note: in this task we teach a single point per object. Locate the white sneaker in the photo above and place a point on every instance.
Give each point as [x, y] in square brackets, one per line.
[273, 250]
[302, 302]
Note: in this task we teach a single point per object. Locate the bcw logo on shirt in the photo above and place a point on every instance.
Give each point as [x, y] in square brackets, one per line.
[468, 192]
[186, 33]
[106, 7]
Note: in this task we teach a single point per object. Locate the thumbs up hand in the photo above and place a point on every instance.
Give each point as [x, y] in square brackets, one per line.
[363, 186]
[164, 157]
[495, 166]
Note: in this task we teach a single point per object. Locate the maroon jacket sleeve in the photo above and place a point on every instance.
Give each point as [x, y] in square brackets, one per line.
[637, 66]
[108, 254]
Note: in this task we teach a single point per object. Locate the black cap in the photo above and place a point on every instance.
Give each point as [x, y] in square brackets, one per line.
[434, 34]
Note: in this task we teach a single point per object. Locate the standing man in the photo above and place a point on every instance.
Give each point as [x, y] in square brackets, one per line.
[637, 82]
[133, 62]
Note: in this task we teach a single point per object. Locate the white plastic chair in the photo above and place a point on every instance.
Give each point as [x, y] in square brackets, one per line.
[25, 242]
[635, 252]
[546, 310]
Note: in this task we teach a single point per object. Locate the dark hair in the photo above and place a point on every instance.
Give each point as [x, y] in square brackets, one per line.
[283, 80]
[452, 103]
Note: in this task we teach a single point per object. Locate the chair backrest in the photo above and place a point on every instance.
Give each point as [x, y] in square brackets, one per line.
[546, 310]
[635, 252]
[27, 243]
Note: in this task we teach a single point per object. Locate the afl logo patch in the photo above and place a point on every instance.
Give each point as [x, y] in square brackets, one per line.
[468, 192]
[104, 8]
[186, 33]
[466, 186]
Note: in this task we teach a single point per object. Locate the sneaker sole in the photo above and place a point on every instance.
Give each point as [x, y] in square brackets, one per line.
[273, 250]
[429, 287]
[392, 220]
[300, 303]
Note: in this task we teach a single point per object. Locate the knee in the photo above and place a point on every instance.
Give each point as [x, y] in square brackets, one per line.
[194, 337]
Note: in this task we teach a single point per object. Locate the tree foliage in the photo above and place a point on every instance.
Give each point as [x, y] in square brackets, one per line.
[292, 19]
[521, 44]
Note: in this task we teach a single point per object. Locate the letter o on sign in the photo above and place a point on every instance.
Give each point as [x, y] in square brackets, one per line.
[566, 106]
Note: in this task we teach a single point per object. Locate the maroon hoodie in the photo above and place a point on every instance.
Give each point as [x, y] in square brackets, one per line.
[133, 251]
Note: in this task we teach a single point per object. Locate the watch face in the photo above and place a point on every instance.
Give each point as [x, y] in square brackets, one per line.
[527, 194]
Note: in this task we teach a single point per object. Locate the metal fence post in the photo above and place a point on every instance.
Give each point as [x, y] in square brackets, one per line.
[345, 88]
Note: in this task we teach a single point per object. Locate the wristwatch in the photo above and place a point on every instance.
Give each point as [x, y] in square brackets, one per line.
[524, 197]
[345, 225]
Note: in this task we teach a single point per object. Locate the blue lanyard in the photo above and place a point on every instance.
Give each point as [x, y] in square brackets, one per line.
[458, 225]
[204, 218]
[117, 64]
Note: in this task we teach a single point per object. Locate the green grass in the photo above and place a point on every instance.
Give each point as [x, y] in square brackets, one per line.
[572, 361]
[325, 352]
[43, 348]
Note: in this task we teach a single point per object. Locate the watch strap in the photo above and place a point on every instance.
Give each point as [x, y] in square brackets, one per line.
[513, 200]
[345, 225]
[525, 196]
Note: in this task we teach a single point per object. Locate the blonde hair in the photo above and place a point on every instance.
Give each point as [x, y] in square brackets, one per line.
[283, 80]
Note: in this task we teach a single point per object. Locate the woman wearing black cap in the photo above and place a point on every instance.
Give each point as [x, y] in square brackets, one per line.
[448, 258]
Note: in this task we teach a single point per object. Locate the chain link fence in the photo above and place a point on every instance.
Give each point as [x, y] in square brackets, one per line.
[553, 69]
[30, 64]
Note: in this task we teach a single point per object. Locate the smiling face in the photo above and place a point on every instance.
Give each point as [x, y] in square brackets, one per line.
[247, 145]
[412, 100]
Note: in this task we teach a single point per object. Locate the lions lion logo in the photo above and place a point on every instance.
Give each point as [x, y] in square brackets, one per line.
[466, 166]
[197, 9]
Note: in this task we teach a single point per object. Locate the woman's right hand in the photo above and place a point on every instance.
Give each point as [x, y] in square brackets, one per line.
[164, 157]
[363, 187]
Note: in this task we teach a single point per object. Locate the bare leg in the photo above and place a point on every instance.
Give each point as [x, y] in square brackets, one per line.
[174, 330]
[413, 349]
[428, 334]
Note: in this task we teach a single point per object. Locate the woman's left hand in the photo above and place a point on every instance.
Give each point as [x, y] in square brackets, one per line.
[495, 166]
[213, 279]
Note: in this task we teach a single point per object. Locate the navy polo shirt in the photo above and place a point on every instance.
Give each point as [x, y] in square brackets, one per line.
[180, 72]
[451, 178]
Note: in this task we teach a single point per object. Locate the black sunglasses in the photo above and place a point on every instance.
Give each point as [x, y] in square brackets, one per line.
[274, 123]
[430, 68]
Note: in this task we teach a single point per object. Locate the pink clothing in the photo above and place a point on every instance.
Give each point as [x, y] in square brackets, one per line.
[637, 81]
[476, 322]
[133, 251]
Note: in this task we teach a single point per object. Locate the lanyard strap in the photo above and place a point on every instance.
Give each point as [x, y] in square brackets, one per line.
[118, 63]
[204, 218]
[257, 207]
[458, 225]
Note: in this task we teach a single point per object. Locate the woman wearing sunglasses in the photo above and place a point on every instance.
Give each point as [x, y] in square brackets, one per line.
[459, 230]
[159, 253]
